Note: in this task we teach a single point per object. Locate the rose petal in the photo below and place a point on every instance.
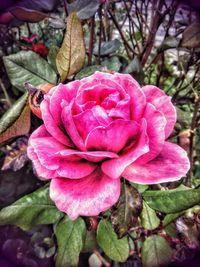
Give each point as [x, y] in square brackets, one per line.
[75, 169]
[62, 92]
[114, 167]
[47, 156]
[163, 103]
[138, 99]
[46, 149]
[52, 125]
[100, 114]
[114, 137]
[70, 127]
[41, 171]
[96, 92]
[41, 131]
[48, 153]
[94, 156]
[122, 109]
[155, 130]
[85, 122]
[111, 100]
[170, 165]
[89, 119]
[105, 80]
[85, 197]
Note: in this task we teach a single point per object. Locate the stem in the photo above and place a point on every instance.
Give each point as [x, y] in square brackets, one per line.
[192, 135]
[104, 262]
[126, 44]
[100, 33]
[156, 20]
[65, 7]
[91, 42]
[5, 93]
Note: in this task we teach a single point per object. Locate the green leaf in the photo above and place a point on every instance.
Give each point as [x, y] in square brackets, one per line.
[53, 51]
[172, 201]
[173, 216]
[141, 188]
[107, 48]
[70, 238]
[16, 121]
[171, 230]
[84, 8]
[116, 249]
[128, 207]
[168, 43]
[149, 219]
[71, 56]
[30, 210]
[156, 252]
[87, 71]
[27, 66]
[13, 113]
[112, 63]
[135, 69]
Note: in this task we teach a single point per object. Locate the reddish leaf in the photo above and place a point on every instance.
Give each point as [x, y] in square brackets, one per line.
[27, 15]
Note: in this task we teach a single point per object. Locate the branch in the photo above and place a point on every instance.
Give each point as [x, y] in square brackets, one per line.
[91, 42]
[126, 44]
[192, 141]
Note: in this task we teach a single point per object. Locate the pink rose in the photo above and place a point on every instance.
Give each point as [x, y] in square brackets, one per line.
[99, 129]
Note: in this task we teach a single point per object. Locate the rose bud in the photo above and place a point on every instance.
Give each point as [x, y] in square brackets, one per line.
[36, 95]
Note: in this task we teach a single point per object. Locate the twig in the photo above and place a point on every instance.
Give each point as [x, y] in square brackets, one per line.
[91, 42]
[192, 135]
[100, 33]
[156, 20]
[5, 93]
[126, 44]
[65, 7]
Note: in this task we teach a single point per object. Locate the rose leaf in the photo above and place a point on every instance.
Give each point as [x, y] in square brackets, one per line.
[30, 210]
[71, 56]
[27, 66]
[70, 239]
[172, 201]
[149, 219]
[28, 15]
[16, 121]
[128, 208]
[114, 248]
[84, 8]
[156, 252]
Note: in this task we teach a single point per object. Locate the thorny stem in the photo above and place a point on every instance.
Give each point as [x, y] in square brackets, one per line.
[5, 93]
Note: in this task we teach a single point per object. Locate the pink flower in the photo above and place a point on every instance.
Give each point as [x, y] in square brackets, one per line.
[99, 129]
